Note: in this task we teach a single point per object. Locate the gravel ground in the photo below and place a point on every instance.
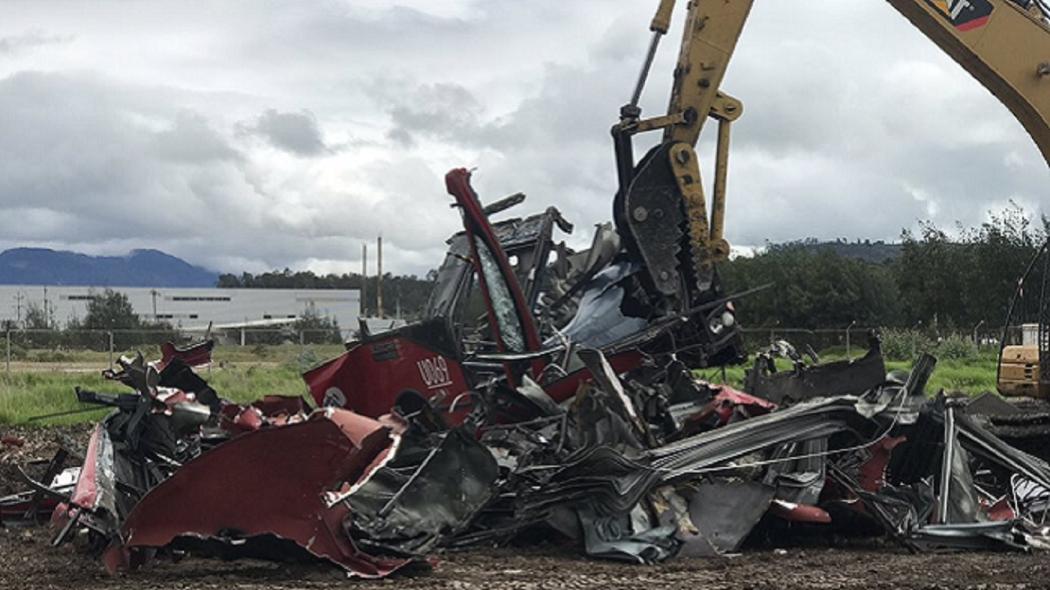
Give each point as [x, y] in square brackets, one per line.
[28, 562]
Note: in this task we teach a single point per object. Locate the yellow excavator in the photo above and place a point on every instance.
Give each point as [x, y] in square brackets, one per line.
[1024, 365]
[661, 210]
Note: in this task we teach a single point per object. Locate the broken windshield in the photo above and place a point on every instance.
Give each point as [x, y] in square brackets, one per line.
[508, 323]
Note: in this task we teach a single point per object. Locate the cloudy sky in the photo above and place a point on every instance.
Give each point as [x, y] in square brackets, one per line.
[250, 135]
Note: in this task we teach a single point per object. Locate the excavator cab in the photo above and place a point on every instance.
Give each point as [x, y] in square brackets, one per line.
[1024, 349]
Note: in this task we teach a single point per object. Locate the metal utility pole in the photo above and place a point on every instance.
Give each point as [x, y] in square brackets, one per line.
[364, 280]
[379, 278]
[153, 292]
[18, 307]
[848, 328]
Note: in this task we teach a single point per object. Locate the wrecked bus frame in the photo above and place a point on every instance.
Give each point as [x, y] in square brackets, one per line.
[614, 310]
[597, 433]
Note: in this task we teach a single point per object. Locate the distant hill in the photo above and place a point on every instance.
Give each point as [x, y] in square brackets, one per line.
[139, 268]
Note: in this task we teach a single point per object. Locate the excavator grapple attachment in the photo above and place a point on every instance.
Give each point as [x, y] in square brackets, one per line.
[650, 215]
[664, 214]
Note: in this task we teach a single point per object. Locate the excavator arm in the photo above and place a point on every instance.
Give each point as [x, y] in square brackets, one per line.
[660, 208]
[1004, 44]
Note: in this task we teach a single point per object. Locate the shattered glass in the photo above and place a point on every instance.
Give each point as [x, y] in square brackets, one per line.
[509, 325]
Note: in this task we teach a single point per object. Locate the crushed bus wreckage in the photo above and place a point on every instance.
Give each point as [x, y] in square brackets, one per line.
[570, 410]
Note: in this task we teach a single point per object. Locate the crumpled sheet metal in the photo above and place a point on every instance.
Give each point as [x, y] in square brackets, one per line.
[846, 377]
[723, 512]
[950, 484]
[605, 477]
[272, 482]
[93, 501]
[632, 469]
[429, 491]
[627, 536]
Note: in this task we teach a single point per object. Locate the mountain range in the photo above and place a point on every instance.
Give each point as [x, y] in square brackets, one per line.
[139, 268]
[153, 268]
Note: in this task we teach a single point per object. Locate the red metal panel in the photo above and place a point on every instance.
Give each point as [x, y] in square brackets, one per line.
[85, 494]
[267, 482]
[368, 378]
[566, 387]
[457, 182]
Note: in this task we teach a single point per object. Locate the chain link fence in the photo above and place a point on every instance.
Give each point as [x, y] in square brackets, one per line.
[70, 348]
[852, 341]
[92, 347]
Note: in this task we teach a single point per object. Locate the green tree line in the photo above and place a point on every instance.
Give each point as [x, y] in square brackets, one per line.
[934, 280]
[408, 292]
[940, 282]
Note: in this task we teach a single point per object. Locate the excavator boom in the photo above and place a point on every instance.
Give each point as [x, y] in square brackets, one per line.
[1004, 44]
[661, 209]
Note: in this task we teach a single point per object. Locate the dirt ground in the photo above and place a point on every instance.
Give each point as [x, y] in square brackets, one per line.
[28, 562]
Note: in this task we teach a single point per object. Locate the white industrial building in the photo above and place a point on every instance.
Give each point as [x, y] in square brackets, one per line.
[190, 309]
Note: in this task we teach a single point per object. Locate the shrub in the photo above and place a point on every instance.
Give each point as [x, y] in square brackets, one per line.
[50, 356]
[956, 347]
[905, 345]
[18, 352]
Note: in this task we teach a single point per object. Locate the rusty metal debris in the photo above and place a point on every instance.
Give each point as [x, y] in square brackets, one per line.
[535, 400]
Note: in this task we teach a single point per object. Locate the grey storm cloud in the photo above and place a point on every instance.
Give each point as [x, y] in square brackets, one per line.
[98, 166]
[25, 41]
[444, 110]
[287, 135]
[295, 133]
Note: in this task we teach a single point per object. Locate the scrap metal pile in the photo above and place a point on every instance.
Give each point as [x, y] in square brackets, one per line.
[570, 414]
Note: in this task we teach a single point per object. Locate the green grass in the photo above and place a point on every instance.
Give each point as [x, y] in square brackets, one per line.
[24, 395]
[279, 353]
[972, 377]
[240, 374]
[246, 374]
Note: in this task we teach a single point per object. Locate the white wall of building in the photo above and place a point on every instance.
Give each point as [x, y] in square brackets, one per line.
[188, 308]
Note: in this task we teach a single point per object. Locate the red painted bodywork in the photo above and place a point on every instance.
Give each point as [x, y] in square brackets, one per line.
[268, 482]
[566, 387]
[728, 405]
[1000, 510]
[477, 226]
[729, 400]
[369, 377]
[274, 406]
[872, 473]
[195, 356]
[36, 510]
[792, 512]
[271, 410]
[85, 494]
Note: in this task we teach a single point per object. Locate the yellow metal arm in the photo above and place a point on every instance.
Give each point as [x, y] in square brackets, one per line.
[708, 41]
[1004, 46]
[661, 208]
